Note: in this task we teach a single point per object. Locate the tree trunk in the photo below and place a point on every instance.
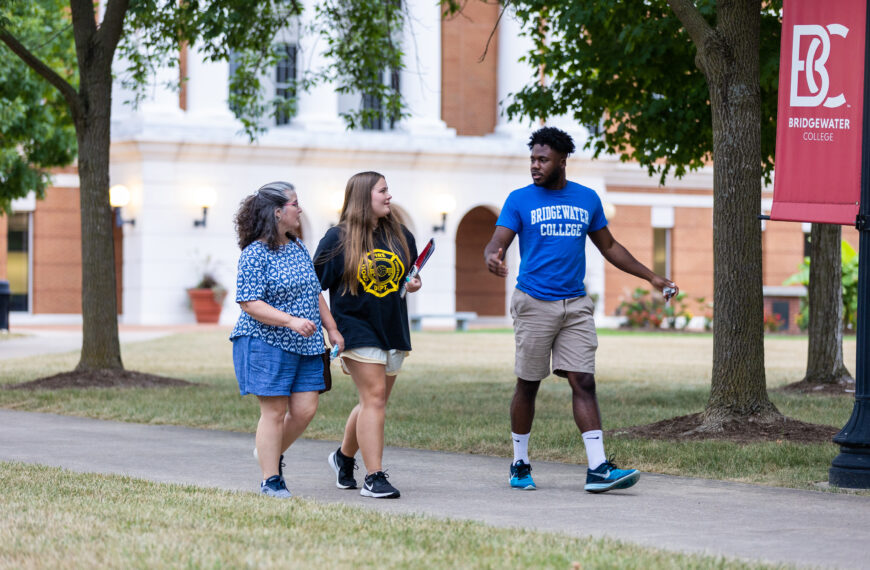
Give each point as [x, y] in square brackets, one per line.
[825, 295]
[730, 60]
[100, 345]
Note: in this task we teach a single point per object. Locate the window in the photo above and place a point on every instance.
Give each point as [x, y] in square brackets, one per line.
[662, 251]
[808, 247]
[285, 81]
[371, 102]
[18, 261]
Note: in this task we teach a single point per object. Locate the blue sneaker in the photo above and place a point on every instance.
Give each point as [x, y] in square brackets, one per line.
[607, 477]
[274, 487]
[521, 476]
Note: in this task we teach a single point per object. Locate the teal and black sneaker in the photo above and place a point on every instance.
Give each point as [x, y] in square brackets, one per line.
[607, 477]
[521, 476]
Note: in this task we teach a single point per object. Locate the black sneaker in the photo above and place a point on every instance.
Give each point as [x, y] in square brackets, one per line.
[343, 467]
[377, 486]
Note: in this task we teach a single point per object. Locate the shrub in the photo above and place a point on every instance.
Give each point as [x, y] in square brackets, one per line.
[649, 310]
[772, 322]
[850, 287]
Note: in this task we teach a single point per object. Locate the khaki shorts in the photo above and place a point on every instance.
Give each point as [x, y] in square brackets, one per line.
[564, 329]
[391, 359]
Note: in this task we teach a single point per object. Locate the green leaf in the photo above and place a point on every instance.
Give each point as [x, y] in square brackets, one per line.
[36, 133]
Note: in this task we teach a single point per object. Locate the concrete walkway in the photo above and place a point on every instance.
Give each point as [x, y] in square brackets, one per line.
[680, 514]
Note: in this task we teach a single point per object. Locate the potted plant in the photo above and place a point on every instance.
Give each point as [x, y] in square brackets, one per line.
[207, 299]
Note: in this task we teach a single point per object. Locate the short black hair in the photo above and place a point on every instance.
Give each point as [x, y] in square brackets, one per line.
[556, 139]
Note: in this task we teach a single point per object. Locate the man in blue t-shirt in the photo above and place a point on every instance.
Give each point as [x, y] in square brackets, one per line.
[552, 314]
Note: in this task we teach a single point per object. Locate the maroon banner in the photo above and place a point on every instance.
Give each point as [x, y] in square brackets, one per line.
[820, 112]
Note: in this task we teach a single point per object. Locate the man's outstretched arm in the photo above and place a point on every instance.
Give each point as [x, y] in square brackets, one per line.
[616, 254]
[494, 251]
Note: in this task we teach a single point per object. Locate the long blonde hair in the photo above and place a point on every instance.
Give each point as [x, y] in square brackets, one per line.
[359, 226]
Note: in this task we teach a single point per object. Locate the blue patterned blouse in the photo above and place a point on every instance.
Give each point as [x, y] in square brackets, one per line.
[286, 280]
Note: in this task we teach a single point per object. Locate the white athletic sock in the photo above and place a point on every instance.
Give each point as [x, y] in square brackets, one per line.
[594, 442]
[521, 447]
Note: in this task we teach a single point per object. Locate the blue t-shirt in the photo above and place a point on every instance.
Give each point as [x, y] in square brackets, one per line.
[552, 227]
[286, 280]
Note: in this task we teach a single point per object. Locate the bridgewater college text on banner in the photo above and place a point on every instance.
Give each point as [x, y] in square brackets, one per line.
[820, 112]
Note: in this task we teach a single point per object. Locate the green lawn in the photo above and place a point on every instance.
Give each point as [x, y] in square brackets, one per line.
[454, 392]
[61, 519]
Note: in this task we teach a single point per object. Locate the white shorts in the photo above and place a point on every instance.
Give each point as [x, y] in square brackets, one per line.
[391, 359]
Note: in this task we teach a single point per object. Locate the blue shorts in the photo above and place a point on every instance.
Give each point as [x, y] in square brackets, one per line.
[266, 370]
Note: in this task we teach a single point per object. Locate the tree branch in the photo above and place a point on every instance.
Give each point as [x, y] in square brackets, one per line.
[84, 21]
[113, 24]
[61, 84]
[504, 8]
[692, 20]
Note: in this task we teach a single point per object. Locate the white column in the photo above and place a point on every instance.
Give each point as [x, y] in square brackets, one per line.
[420, 81]
[122, 109]
[595, 282]
[208, 86]
[161, 98]
[317, 108]
[513, 74]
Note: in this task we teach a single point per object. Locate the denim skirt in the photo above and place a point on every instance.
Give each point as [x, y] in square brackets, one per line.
[266, 370]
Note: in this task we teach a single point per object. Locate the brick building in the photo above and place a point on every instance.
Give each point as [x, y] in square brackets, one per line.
[456, 148]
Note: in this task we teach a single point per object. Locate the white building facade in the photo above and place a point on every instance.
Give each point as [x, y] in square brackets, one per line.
[172, 151]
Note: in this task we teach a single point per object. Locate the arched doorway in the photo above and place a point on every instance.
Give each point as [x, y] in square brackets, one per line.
[477, 289]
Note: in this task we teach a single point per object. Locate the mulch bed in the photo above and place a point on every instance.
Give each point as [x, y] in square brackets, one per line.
[833, 389]
[683, 428]
[99, 379]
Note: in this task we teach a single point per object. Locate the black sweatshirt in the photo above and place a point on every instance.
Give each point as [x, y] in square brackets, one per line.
[376, 315]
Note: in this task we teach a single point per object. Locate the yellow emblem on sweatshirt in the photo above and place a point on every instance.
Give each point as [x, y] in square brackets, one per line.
[380, 272]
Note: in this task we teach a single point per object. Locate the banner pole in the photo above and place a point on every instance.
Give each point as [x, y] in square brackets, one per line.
[851, 468]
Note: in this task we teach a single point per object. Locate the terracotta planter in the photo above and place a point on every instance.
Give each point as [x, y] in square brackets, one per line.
[205, 307]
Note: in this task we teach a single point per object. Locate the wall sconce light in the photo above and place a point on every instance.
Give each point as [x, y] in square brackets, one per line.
[336, 203]
[119, 196]
[444, 204]
[205, 198]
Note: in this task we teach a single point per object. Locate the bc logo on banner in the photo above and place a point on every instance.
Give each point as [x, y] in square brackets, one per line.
[820, 112]
[814, 64]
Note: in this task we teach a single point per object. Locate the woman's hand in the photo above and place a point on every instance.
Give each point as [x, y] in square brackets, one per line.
[335, 339]
[414, 284]
[303, 326]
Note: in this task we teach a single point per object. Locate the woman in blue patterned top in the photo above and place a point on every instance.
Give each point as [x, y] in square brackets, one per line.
[277, 341]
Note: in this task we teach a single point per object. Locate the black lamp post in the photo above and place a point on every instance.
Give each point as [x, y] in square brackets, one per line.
[851, 468]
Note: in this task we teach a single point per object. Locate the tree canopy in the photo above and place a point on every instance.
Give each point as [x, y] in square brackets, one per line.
[146, 35]
[629, 71]
[36, 132]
